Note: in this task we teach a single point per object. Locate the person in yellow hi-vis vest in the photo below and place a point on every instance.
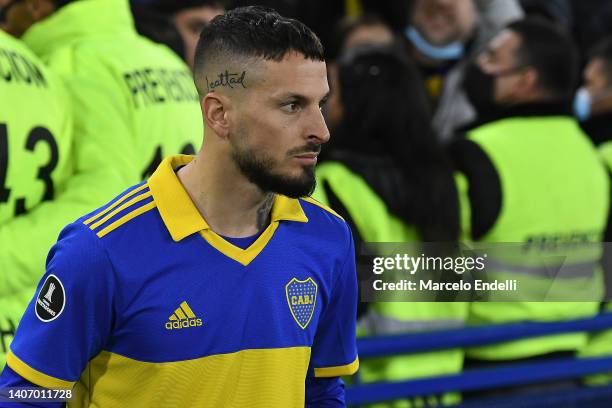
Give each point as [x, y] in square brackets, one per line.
[593, 107]
[387, 176]
[535, 180]
[133, 103]
[35, 161]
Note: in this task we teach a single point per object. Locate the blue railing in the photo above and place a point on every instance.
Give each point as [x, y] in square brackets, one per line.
[490, 378]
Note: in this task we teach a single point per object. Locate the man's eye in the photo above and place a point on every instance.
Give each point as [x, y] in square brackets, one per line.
[291, 107]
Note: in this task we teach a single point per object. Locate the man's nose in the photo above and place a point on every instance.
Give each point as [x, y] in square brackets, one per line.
[318, 128]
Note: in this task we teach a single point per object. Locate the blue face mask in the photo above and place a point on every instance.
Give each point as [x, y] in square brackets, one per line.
[582, 104]
[452, 51]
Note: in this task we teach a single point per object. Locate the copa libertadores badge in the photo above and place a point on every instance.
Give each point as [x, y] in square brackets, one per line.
[302, 299]
[51, 299]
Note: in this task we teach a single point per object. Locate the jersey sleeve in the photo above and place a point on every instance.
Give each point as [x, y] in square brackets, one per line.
[334, 352]
[70, 317]
[10, 379]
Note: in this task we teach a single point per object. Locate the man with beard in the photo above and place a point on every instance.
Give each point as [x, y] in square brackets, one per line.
[214, 283]
[534, 179]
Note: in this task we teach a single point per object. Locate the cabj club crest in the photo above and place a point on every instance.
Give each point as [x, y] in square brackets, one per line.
[302, 299]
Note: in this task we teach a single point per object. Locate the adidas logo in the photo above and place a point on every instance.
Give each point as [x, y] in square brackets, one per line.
[183, 318]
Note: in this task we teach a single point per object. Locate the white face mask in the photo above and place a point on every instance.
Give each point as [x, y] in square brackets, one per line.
[585, 100]
[449, 52]
[583, 103]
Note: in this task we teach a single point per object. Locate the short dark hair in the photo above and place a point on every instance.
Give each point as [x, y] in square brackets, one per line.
[257, 32]
[551, 51]
[603, 51]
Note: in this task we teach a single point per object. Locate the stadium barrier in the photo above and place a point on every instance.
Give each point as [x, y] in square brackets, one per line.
[490, 378]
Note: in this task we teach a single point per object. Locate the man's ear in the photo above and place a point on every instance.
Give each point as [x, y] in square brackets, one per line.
[530, 82]
[215, 108]
[39, 9]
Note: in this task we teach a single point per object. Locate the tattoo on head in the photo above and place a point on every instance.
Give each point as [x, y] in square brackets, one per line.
[263, 212]
[226, 79]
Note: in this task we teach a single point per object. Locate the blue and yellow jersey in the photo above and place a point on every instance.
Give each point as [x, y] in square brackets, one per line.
[143, 305]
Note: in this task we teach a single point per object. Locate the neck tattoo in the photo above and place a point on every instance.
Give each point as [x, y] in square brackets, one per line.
[263, 212]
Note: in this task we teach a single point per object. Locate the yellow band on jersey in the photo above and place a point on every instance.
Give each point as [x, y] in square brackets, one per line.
[35, 376]
[258, 376]
[347, 369]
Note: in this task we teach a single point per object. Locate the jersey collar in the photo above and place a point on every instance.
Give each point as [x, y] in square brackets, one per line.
[181, 216]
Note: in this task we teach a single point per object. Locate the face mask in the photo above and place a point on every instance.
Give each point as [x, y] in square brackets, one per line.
[582, 104]
[452, 51]
[480, 90]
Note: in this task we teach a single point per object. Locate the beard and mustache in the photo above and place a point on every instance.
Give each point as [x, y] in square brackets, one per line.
[258, 168]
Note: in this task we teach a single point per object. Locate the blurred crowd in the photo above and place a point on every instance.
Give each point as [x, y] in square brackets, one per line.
[451, 120]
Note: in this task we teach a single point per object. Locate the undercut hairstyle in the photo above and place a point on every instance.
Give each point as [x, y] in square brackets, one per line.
[603, 50]
[252, 32]
[550, 50]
